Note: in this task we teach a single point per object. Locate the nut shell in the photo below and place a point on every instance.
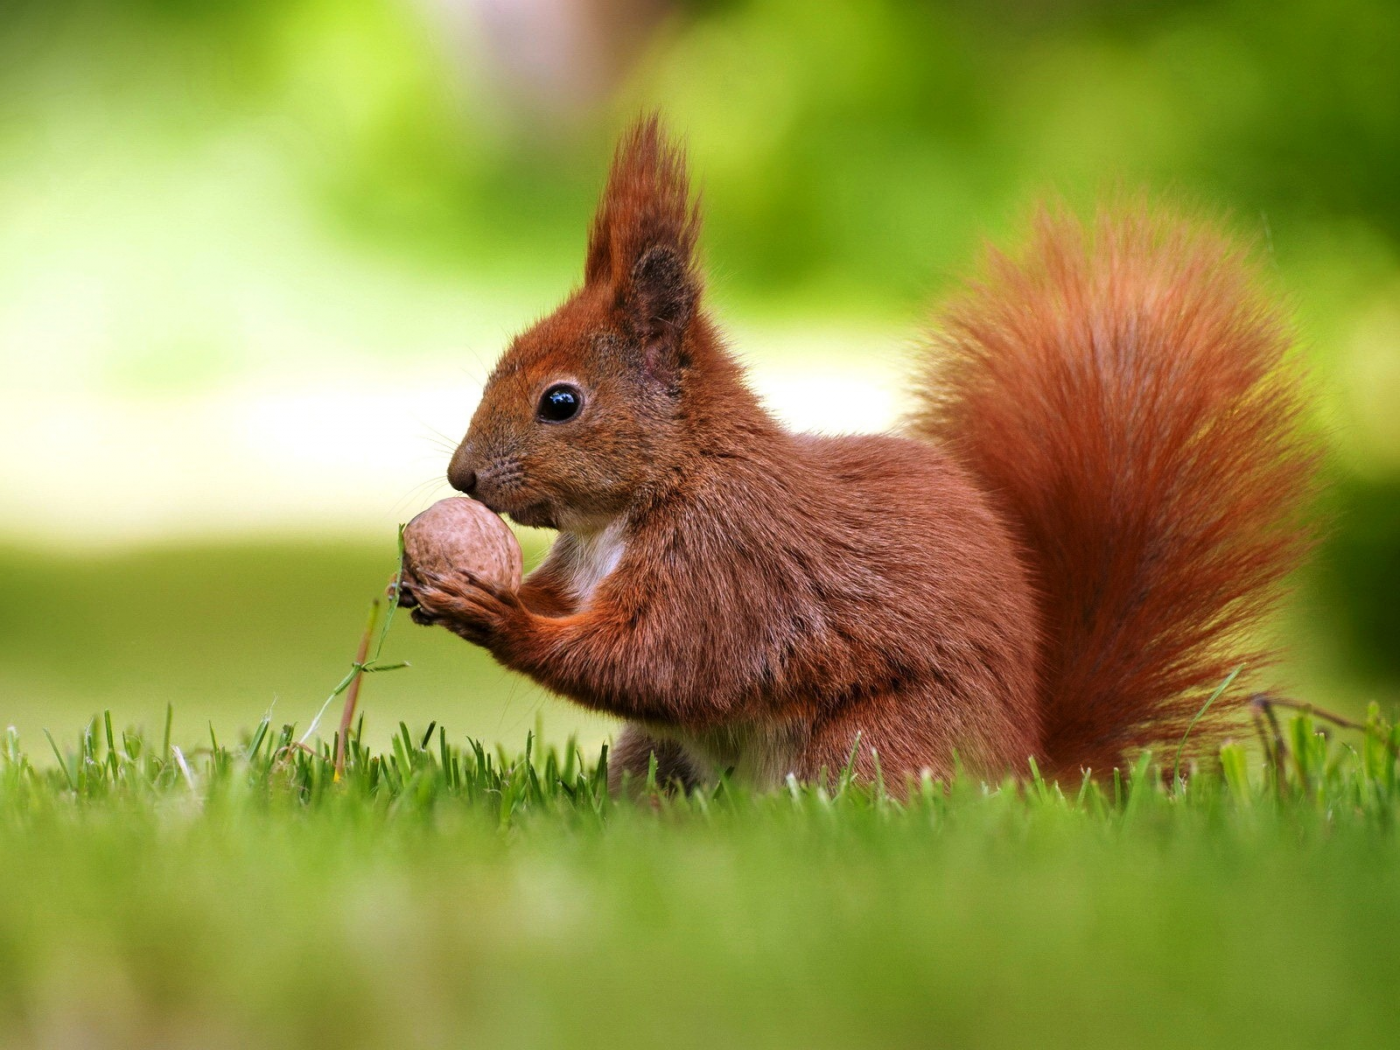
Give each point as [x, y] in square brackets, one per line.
[460, 533]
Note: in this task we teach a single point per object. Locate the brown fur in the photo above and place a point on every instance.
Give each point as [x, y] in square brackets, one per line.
[1102, 499]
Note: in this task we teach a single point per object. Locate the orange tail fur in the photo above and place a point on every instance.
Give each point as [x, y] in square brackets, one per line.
[1128, 396]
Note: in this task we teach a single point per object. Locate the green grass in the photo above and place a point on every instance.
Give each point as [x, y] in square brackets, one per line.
[248, 897]
[441, 894]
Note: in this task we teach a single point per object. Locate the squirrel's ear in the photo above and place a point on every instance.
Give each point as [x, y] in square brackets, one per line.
[642, 243]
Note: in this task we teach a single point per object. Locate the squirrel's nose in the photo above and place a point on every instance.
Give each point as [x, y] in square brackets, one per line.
[460, 474]
[464, 481]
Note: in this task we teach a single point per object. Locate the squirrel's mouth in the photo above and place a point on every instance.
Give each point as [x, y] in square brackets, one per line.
[534, 515]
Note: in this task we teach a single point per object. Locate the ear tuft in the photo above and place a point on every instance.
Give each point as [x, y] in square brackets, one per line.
[642, 242]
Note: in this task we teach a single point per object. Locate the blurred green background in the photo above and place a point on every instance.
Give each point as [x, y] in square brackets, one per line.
[256, 257]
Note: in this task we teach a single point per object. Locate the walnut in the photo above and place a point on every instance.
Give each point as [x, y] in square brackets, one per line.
[459, 533]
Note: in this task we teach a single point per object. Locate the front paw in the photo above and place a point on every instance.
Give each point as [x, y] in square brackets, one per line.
[465, 605]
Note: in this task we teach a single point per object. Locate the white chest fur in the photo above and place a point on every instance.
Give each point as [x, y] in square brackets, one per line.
[592, 557]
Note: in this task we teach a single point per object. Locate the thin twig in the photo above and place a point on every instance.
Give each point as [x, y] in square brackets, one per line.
[1326, 715]
[368, 661]
[352, 693]
[1261, 702]
[1319, 712]
[284, 753]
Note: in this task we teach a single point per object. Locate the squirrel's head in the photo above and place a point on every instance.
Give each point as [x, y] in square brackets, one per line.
[578, 417]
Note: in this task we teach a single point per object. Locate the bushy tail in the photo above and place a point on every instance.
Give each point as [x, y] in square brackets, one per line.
[1127, 394]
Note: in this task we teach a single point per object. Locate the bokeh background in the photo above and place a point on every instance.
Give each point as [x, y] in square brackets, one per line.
[256, 258]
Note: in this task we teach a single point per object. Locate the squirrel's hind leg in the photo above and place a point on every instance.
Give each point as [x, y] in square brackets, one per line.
[631, 758]
[901, 738]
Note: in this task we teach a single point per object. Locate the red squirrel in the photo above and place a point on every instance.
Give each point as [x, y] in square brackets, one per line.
[1094, 501]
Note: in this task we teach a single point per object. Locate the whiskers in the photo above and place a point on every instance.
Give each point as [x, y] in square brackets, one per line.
[506, 475]
[438, 450]
[440, 441]
[479, 374]
[420, 495]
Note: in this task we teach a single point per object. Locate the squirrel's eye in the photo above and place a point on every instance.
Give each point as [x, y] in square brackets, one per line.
[560, 402]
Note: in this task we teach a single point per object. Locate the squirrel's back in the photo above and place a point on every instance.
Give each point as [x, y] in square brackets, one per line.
[1126, 395]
